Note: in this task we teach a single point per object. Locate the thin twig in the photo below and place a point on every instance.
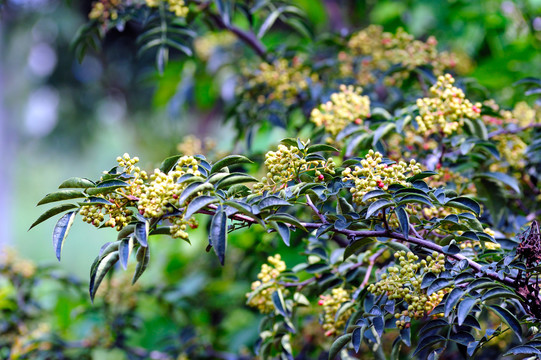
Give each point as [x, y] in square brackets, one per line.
[318, 213]
[371, 261]
[513, 131]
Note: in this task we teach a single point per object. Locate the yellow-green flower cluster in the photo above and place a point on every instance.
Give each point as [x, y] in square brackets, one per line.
[376, 175]
[104, 10]
[445, 110]
[344, 107]
[286, 164]
[176, 6]
[261, 295]
[281, 80]
[331, 305]
[512, 149]
[384, 49]
[117, 212]
[403, 282]
[206, 44]
[164, 191]
[12, 264]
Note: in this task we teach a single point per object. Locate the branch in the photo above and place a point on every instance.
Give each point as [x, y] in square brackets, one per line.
[513, 131]
[319, 214]
[359, 234]
[249, 38]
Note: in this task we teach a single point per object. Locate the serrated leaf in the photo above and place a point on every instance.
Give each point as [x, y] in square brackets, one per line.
[218, 234]
[234, 179]
[77, 183]
[321, 147]
[199, 203]
[52, 212]
[60, 232]
[103, 266]
[228, 161]
[286, 218]
[464, 308]
[377, 206]
[338, 345]
[454, 297]
[142, 257]
[61, 195]
[509, 319]
[282, 230]
[141, 233]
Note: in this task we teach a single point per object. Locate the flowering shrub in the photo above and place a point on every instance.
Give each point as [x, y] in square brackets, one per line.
[416, 172]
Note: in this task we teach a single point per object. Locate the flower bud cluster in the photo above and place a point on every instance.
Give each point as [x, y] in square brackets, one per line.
[206, 44]
[105, 10]
[117, 212]
[331, 305]
[161, 195]
[382, 50]
[512, 150]
[30, 341]
[445, 110]
[262, 299]
[403, 282]
[286, 164]
[281, 80]
[376, 175]
[175, 6]
[344, 107]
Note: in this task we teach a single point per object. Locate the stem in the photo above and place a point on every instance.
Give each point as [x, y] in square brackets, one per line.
[513, 131]
[371, 261]
[314, 208]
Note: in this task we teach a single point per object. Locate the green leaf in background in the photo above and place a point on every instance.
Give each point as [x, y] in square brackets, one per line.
[502, 178]
[61, 230]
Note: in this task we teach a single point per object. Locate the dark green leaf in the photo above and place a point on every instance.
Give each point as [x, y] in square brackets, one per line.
[376, 206]
[462, 337]
[77, 183]
[503, 178]
[439, 284]
[465, 203]
[523, 350]
[357, 338]
[124, 250]
[103, 266]
[61, 230]
[234, 179]
[52, 212]
[428, 341]
[169, 163]
[228, 161]
[464, 308]
[141, 233]
[420, 176]
[61, 195]
[107, 187]
[282, 230]
[375, 194]
[509, 319]
[199, 203]
[410, 199]
[218, 234]
[356, 245]
[269, 21]
[279, 303]
[499, 293]
[454, 297]
[321, 147]
[338, 345]
[95, 200]
[126, 231]
[192, 190]
[286, 218]
[142, 257]
[271, 201]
